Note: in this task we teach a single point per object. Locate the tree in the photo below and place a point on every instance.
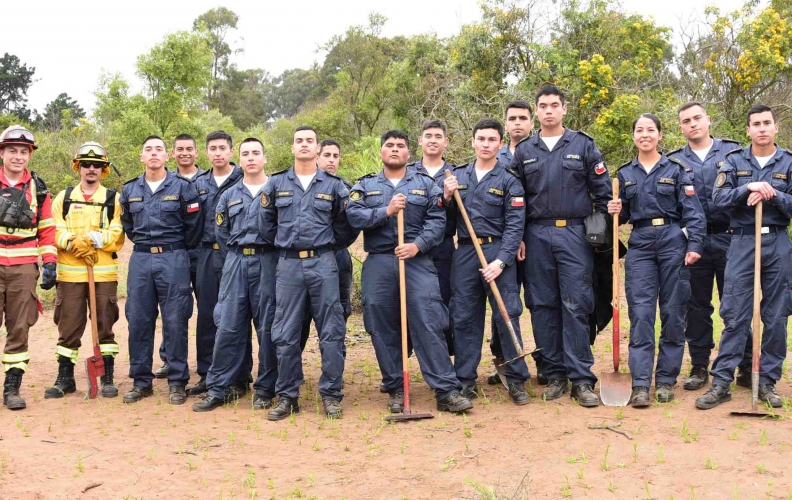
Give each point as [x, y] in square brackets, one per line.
[15, 80]
[240, 96]
[63, 111]
[177, 73]
[216, 23]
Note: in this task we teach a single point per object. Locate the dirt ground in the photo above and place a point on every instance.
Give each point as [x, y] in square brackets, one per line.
[104, 449]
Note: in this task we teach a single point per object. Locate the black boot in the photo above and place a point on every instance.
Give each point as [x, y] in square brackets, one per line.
[713, 397]
[697, 379]
[286, 407]
[109, 390]
[11, 398]
[743, 377]
[64, 384]
[199, 388]
[555, 388]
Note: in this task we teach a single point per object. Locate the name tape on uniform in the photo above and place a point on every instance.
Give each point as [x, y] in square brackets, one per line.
[495, 191]
[171, 197]
[323, 196]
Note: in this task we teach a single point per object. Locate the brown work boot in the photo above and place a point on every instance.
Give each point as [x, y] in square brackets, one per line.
[11, 398]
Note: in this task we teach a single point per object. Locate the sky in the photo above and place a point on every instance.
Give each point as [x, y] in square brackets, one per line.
[71, 42]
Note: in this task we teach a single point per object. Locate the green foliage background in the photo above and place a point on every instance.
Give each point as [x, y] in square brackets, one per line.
[612, 64]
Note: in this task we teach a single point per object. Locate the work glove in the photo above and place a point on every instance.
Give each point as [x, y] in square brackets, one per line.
[82, 246]
[48, 276]
[91, 258]
[96, 239]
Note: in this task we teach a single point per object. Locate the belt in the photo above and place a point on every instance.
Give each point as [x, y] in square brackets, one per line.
[305, 254]
[481, 241]
[158, 249]
[556, 222]
[252, 250]
[215, 246]
[660, 221]
[750, 231]
[719, 229]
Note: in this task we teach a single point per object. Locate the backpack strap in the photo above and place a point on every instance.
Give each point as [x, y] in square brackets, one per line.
[67, 201]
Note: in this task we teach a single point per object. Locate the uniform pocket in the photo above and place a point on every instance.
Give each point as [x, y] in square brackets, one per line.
[531, 178]
[666, 196]
[574, 175]
[33, 312]
[170, 206]
[493, 206]
[284, 206]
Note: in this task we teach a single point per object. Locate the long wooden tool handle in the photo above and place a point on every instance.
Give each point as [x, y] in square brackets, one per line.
[483, 261]
[615, 302]
[757, 313]
[403, 305]
[94, 318]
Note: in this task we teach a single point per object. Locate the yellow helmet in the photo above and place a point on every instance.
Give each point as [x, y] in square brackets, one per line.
[92, 153]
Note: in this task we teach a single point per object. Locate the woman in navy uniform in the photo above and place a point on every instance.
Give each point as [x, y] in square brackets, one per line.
[656, 195]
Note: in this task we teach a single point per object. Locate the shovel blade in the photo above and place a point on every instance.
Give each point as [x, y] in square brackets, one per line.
[94, 368]
[500, 367]
[615, 388]
[757, 413]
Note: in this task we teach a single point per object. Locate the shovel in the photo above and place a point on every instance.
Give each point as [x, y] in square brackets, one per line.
[500, 365]
[407, 413]
[756, 324]
[94, 366]
[615, 387]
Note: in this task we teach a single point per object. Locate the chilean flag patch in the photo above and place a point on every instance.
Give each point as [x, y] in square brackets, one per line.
[689, 190]
[193, 207]
[600, 168]
[517, 201]
[439, 202]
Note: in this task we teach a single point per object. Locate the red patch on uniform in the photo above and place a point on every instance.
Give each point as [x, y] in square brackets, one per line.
[439, 202]
[600, 168]
[690, 190]
[193, 207]
[518, 201]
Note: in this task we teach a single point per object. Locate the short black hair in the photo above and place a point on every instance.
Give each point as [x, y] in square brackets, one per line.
[690, 104]
[520, 104]
[652, 117]
[184, 137]
[549, 90]
[394, 134]
[485, 123]
[252, 139]
[756, 109]
[154, 137]
[434, 124]
[306, 127]
[219, 135]
[329, 142]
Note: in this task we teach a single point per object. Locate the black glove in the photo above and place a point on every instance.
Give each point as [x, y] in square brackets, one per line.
[48, 276]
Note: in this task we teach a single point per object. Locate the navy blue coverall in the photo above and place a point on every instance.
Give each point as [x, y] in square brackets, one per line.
[306, 224]
[210, 271]
[658, 205]
[193, 254]
[442, 255]
[344, 263]
[427, 315]
[247, 292]
[496, 208]
[698, 327]
[163, 226]
[739, 169]
[562, 187]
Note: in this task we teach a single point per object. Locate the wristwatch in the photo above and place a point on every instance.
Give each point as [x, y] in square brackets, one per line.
[503, 265]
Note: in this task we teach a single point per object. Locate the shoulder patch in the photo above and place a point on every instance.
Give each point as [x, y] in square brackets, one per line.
[264, 200]
[171, 197]
[219, 218]
[720, 180]
[355, 196]
[600, 168]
